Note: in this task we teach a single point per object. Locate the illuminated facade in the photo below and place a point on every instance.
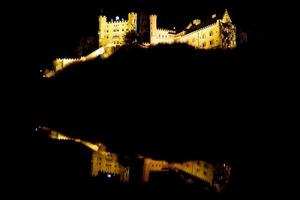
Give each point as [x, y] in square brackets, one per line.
[217, 32]
[103, 161]
[107, 162]
[151, 165]
[113, 32]
[200, 169]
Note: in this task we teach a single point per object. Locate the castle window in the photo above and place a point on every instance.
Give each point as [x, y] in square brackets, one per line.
[210, 33]
[203, 36]
[205, 173]
[204, 44]
[211, 42]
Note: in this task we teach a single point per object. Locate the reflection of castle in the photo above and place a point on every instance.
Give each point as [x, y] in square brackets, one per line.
[105, 162]
[199, 169]
[102, 161]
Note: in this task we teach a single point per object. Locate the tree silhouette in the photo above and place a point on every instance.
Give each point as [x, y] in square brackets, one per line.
[131, 37]
[86, 45]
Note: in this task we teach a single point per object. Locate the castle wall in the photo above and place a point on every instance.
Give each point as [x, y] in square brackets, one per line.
[200, 169]
[206, 38]
[152, 165]
[164, 36]
[61, 63]
[106, 162]
[221, 34]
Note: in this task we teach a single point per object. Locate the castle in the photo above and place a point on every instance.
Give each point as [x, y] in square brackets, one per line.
[114, 31]
[217, 32]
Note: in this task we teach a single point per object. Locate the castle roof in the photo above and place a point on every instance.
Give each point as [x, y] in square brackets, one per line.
[213, 19]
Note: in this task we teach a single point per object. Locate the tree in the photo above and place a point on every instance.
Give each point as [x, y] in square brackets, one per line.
[131, 37]
[87, 44]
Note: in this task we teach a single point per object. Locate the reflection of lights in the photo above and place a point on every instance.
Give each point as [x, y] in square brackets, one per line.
[108, 175]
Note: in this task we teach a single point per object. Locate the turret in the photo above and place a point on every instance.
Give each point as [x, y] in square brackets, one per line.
[226, 18]
[153, 29]
[132, 21]
[102, 29]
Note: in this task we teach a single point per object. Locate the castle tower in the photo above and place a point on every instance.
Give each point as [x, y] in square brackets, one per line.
[226, 18]
[228, 32]
[102, 30]
[132, 21]
[153, 28]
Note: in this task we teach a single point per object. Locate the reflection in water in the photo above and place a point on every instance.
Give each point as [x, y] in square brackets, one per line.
[109, 165]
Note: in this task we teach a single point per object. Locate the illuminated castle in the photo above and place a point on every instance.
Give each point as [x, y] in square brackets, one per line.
[114, 31]
[217, 32]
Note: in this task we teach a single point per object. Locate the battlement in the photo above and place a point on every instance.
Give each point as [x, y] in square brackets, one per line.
[61, 63]
[132, 13]
[68, 59]
[117, 19]
[117, 22]
[102, 17]
[166, 30]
